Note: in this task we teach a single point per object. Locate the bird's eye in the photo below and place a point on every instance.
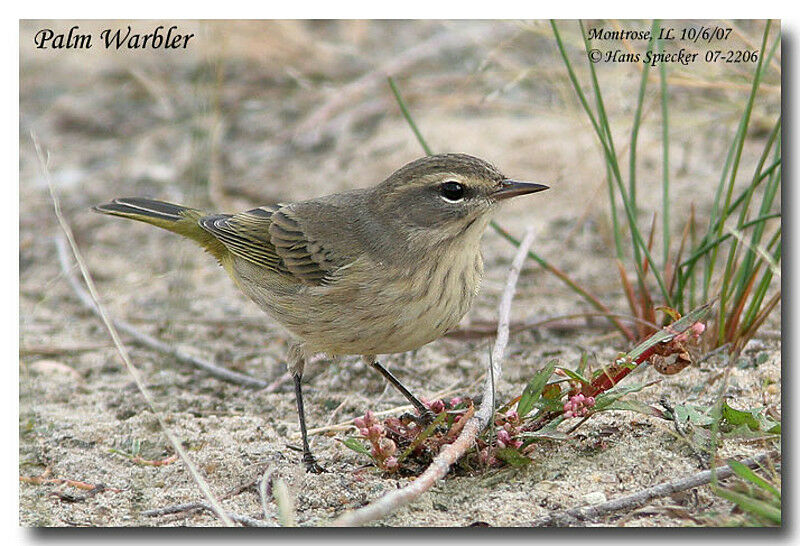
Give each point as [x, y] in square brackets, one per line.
[452, 191]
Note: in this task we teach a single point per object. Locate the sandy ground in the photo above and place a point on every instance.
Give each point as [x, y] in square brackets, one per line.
[263, 112]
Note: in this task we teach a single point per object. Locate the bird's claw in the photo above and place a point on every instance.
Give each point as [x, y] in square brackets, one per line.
[312, 465]
[423, 419]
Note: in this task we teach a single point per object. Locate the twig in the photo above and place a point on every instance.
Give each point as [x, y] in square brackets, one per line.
[452, 452]
[193, 506]
[174, 509]
[85, 486]
[54, 350]
[151, 342]
[504, 313]
[123, 352]
[642, 497]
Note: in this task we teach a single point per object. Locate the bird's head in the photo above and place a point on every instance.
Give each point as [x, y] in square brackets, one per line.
[444, 197]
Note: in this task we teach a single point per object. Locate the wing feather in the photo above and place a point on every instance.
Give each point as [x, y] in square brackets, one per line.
[270, 237]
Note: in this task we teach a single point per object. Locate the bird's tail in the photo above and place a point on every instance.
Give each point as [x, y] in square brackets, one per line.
[175, 218]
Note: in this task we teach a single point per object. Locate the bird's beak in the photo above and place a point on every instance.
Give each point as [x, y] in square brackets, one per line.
[512, 188]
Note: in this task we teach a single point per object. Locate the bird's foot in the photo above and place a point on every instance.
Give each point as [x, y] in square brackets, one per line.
[423, 419]
[311, 464]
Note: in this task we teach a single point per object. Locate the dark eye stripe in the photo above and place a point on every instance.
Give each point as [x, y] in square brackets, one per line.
[452, 191]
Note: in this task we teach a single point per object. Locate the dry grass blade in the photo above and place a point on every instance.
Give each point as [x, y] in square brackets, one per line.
[286, 512]
[629, 295]
[646, 263]
[196, 506]
[156, 344]
[758, 321]
[123, 352]
[758, 249]
[736, 314]
[451, 453]
[591, 298]
[673, 264]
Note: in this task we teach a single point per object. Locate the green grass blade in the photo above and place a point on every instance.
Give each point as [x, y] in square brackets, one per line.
[533, 390]
[638, 242]
[409, 119]
[747, 474]
[637, 119]
[761, 289]
[710, 245]
[743, 126]
[573, 78]
[614, 218]
[664, 156]
[717, 219]
[767, 201]
[704, 245]
[765, 511]
[578, 289]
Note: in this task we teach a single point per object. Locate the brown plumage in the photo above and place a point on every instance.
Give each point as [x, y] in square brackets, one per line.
[372, 271]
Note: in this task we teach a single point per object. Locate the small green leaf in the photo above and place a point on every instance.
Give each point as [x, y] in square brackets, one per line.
[356, 445]
[549, 431]
[755, 418]
[574, 375]
[696, 415]
[634, 405]
[739, 417]
[547, 404]
[613, 394]
[674, 329]
[533, 390]
[512, 457]
[743, 432]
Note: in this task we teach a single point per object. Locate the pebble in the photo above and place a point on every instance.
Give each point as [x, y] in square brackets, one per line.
[595, 497]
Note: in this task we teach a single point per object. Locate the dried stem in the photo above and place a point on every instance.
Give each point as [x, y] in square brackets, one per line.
[286, 512]
[452, 452]
[194, 506]
[642, 497]
[504, 312]
[123, 352]
[151, 342]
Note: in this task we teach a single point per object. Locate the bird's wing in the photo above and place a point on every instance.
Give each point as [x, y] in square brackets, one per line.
[268, 238]
[246, 235]
[305, 256]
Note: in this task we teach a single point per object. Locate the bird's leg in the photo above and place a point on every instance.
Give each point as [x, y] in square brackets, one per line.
[426, 416]
[308, 457]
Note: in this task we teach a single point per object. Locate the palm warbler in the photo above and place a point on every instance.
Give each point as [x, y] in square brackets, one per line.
[372, 271]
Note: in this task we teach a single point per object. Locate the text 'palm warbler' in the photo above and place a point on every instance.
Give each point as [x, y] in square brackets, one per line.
[371, 271]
